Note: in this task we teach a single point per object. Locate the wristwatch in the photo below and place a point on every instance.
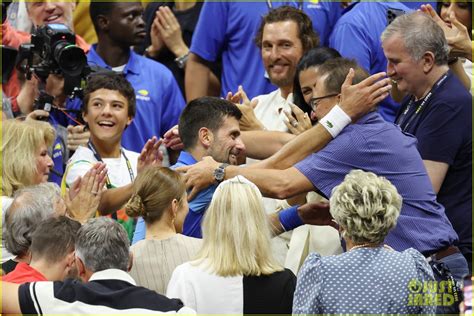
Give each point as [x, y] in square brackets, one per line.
[219, 172]
[181, 61]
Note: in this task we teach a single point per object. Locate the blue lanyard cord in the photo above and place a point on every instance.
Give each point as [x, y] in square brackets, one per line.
[404, 116]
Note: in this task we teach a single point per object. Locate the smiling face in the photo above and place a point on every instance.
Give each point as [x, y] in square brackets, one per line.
[107, 115]
[227, 144]
[402, 68]
[313, 86]
[461, 10]
[46, 12]
[125, 23]
[281, 51]
[43, 164]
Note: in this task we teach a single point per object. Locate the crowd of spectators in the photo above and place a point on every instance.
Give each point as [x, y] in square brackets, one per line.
[269, 157]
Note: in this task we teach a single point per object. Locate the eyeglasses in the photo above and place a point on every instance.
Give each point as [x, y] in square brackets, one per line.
[313, 103]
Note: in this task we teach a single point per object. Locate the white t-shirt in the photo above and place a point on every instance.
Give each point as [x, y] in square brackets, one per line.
[83, 159]
[269, 110]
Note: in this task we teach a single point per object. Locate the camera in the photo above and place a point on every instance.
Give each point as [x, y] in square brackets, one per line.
[53, 50]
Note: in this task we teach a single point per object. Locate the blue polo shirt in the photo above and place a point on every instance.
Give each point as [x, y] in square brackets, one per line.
[371, 144]
[357, 35]
[159, 100]
[197, 207]
[226, 30]
[415, 5]
[324, 15]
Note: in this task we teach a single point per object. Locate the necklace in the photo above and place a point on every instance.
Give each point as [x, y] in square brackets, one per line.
[369, 245]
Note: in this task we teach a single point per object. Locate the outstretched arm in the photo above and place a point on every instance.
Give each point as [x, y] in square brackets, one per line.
[356, 100]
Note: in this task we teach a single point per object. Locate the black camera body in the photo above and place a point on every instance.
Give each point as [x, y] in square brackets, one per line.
[53, 50]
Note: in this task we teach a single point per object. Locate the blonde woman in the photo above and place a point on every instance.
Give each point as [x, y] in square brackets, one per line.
[26, 162]
[370, 278]
[234, 272]
[25, 159]
[160, 198]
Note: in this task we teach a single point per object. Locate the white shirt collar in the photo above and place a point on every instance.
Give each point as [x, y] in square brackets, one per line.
[112, 274]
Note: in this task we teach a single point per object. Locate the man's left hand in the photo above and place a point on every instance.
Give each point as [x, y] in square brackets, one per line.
[316, 213]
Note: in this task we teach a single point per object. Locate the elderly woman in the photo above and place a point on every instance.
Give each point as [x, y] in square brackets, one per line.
[370, 278]
[160, 199]
[235, 271]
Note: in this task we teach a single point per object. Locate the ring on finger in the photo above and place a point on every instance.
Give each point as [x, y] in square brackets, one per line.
[294, 124]
[94, 192]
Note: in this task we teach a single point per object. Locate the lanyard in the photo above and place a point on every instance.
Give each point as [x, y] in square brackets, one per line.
[97, 156]
[404, 116]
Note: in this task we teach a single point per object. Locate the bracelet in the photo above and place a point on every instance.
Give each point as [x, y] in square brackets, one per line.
[289, 218]
[335, 121]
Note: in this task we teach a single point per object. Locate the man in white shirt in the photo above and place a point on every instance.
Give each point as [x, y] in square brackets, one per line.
[284, 36]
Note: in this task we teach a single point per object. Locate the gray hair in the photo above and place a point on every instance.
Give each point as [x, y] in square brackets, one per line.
[420, 34]
[365, 206]
[102, 244]
[30, 206]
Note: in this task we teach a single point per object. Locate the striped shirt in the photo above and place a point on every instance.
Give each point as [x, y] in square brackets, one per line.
[107, 292]
[166, 254]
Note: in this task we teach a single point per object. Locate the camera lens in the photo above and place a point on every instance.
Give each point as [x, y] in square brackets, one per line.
[70, 58]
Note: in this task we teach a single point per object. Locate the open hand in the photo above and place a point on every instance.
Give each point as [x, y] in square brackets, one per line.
[199, 176]
[248, 121]
[358, 99]
[83, 198]
[150, 155]
[172, 140]
[297, 125]
[316, 213]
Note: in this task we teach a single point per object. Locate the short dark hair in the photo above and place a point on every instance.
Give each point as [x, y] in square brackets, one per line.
[97, 8]
[314, 57]
[309, 38]
[54, 238]
[337, 70]
[110, 81]
[207, 112]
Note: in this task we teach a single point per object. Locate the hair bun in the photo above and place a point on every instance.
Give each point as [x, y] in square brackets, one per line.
[135, 206]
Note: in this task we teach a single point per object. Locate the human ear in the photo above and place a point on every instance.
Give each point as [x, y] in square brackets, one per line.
[428, 60]
[205, 136]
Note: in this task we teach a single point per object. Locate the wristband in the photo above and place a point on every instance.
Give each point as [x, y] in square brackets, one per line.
[335, 121]
[290, 219]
